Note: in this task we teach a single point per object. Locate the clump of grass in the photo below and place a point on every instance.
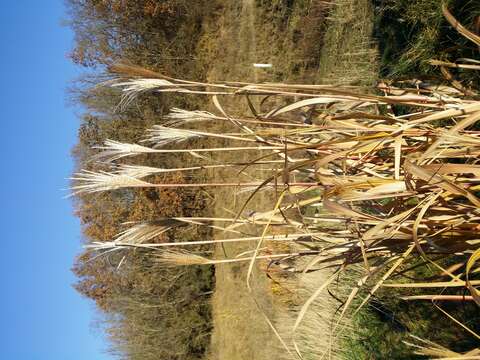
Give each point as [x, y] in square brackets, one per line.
[379, 188]
[413, 32]
[349, 54]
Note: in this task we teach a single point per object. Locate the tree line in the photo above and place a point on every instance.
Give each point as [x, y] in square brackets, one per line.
[147, 312]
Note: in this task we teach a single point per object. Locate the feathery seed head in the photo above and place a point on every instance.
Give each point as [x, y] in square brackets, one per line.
[139, 171]
[91, 182]
[140, 85]
[181, 258]
[179, 116]
[162, 135]
[133, 87]
[115, 150]
[143, 232]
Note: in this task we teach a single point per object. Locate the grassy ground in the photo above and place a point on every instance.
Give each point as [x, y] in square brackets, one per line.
[284, 33]
[413, 32]
[291, 38]
[240, 331]
[349, 55]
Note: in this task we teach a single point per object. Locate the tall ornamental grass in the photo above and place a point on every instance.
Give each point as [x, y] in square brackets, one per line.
[380, 179]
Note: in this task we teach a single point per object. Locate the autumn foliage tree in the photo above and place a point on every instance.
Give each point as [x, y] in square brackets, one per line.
[147, 32]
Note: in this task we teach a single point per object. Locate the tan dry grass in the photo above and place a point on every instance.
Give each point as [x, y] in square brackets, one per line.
[349, 54]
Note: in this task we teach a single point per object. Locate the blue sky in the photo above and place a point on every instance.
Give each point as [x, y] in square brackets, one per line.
[42, 316]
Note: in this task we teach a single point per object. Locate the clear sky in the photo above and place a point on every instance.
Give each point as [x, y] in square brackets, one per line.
[42, 317]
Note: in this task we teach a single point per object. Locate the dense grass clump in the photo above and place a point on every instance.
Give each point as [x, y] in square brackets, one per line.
[370, 188]
[411, 33]
[375, 190]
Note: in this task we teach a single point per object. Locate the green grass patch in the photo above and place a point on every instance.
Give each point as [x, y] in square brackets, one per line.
[410, 33]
